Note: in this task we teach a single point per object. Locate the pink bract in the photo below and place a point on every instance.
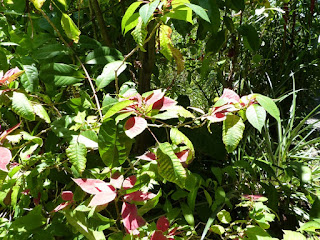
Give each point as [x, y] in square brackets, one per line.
[148, 156]
[138, 196]
[131, 220]
[90, 185]
[129, 182]
[5, 157]
[230, 96]
[116, 180]
[134, 126]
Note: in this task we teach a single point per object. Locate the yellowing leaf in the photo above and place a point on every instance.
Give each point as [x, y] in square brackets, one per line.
[38, 3]
[165, 41]
[178, 58]
[70, 28]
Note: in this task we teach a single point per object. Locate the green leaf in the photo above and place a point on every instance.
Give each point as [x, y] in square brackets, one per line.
[50, 51]
[224, 216]
[216, 41]
[290, 235]
[103, 56]
[30, 79]
[233, 128]
[128, 14]
[269, 105]
[116, 108]
[107, 103]
[146, 11]
[187, 213]
[199, 11]
[41, 112]
[70, 28]
[114, 145]
[60, 74]
[257, 233]
[251, 37]
[38, 3]
[238, 5]
[140, 33]
[76, 152]
[174, 112]
[169, 166]
[132, 22]
[31, 221]
[315, 209]
[79, 220]
[219, 195]
[151, 204]
[108, 73]
[256, 116]
[218, 229]
[180, 11]
[178, 138]
[165, 40]
[22, 106]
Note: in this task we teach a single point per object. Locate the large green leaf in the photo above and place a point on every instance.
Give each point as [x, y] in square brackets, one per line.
[291, 235]
[30, 79]
[103, 56]
[146, 11]
[199, 11]
[70, 28]
[22, 106]
[116, 108]
[128, 14]
[256, 115]
[108, 73]
[315, 209]
[269, 105]
[216, 41]
[169, 165]
[114, 145]
[250, 37]
[187, 213]
[180, 11]
[76, 153]
[41, 112]
[233, 128]
[238, 5]
[31, 221]
[139, 34]
[50, 51]
[165, 41]
[178, 138]
[60, 74]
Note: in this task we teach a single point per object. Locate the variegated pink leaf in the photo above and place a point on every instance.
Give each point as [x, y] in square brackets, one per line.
[148, 156]
[230, 96]
[164, 103]
[5, 157]
[90, 185]
[103, 198]
[138, 196]
[158, 235]
[154, 97]
[67, 195]
[163, 224]
[134, 126]
[131, 220]
[116, 180]
[62, 206]
[129, 182]
[183, 157]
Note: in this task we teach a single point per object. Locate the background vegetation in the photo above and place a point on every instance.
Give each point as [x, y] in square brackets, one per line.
[79, 104]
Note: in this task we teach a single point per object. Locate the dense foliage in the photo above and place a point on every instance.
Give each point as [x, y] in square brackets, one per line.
[161, 119]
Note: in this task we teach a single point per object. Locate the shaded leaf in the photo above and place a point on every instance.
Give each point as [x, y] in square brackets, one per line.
[103, 56]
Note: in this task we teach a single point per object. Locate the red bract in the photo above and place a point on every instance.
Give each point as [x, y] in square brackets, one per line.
[103, 192]
[218, 114]
[66, 196]
[148, 156]
[5, 157]
[131, 220]
[129, 182]
[158, 235]
[163, 224]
